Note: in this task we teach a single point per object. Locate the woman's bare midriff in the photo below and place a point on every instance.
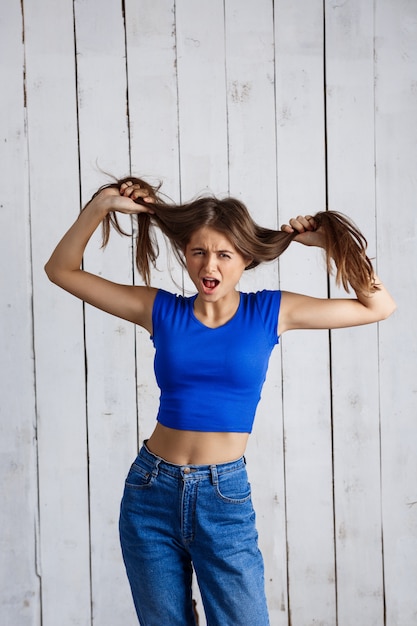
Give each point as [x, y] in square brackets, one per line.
[189, 447]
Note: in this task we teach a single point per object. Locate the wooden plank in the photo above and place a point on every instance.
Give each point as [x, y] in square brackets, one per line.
[19, 583]
[153, 116]
[249, 36]
[59, 346]
[110, 342]
[396, 191]
[152, 83]
[350, 141]
[305, 356]
[201, 92]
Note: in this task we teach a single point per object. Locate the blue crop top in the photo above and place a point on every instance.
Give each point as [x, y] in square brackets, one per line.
[211, 378]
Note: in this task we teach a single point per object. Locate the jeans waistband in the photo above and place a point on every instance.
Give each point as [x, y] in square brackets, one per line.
[157, 463]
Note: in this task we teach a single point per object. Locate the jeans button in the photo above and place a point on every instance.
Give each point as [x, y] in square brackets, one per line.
[187, 470]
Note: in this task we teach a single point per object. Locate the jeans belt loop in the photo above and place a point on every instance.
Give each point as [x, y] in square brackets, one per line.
[214, 475]
[155, 470]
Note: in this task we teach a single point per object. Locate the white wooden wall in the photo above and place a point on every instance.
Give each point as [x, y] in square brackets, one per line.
[289, 105]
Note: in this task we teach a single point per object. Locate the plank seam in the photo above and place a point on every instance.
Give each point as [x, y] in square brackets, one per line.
[384, 603]
[84, 333]
[287, 578]
[37, 540]
[326, 176]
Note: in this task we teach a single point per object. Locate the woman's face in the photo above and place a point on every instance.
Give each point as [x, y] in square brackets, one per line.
[213, 263]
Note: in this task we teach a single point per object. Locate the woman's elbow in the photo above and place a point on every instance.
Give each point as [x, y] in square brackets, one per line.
[49, 271]
[387, 311]
[55, 276]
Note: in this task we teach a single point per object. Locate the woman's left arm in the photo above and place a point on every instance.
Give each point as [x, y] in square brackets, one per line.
[304, 312]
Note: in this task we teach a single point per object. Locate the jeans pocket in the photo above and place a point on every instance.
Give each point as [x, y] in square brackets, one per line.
[138, 477]
[233, 487]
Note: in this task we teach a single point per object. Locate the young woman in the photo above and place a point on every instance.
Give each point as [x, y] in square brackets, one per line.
[187, 502]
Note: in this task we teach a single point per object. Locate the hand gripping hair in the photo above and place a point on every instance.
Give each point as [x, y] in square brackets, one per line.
[345, 246]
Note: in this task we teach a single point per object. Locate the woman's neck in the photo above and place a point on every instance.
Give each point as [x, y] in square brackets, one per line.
[217, 313]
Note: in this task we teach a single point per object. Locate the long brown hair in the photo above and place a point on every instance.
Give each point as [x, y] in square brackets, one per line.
[345, 246]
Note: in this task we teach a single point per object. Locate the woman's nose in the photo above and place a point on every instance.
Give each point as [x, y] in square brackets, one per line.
[210, 262]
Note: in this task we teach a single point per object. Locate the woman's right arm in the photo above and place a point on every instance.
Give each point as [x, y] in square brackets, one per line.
[133, 303]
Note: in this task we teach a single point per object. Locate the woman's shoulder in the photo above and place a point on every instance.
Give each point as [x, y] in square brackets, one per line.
[262, 297]
[168, 301]
[263, 307]
[169, 296]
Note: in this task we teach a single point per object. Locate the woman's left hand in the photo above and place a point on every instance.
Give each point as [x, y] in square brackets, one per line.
[308, 232]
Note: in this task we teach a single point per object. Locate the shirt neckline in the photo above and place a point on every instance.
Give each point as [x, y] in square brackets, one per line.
[200, 323]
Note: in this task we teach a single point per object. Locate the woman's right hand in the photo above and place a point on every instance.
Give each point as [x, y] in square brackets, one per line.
[123, 200]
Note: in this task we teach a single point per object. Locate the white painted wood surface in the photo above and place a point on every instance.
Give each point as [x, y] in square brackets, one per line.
[109, 342]
[289, 106]
[52, 138]
[20, 596]
[351, 189]
[396, 193]
[305, 356]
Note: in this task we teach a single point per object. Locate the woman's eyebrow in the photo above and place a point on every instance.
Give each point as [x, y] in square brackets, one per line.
[196, 248]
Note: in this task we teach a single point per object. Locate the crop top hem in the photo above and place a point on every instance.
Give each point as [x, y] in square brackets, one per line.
[192, 428]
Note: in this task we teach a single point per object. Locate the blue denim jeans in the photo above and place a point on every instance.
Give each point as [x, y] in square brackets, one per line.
[175, 518]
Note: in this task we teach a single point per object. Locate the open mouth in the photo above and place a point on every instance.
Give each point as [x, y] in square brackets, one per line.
[210, 283]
